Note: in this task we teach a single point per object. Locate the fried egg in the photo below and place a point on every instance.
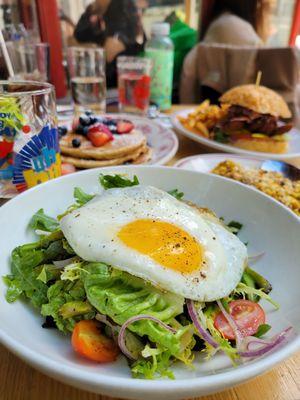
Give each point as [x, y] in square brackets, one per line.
[150, 234]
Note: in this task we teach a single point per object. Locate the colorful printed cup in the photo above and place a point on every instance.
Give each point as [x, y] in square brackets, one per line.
[29, 147]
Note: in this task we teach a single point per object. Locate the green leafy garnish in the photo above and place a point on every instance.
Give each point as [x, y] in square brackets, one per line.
[262, 330]
[156, 363]
[208, 316]
[117, 181]
[65, 304]
[72, 272]
[43, 222]
[259, 281]
[244, 290]
[220, 136]
[81, 197]
[121, 296]
[23, 280]
[235, 226]
[175, 193]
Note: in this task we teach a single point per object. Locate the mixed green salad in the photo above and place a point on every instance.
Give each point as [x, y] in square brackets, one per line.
[107, 311]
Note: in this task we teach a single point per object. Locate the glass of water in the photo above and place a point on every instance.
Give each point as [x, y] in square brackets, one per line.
[30, 61]
[87, 74]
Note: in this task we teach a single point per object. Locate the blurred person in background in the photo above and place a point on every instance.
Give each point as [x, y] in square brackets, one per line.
[208, 68]
[240, 23]
[114, 25]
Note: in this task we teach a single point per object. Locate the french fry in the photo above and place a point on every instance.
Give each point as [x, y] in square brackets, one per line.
[204, 117]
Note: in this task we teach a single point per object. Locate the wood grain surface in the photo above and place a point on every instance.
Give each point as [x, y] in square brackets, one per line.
[18, 381]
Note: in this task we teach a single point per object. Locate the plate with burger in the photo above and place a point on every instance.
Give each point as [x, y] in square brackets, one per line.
[251, 120]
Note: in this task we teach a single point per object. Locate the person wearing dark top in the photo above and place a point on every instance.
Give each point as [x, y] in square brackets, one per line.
[114, 25]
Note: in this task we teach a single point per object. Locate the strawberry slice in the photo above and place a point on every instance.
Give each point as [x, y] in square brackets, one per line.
[99, 127]
[99, 135]
[67, 168]
[124, 126]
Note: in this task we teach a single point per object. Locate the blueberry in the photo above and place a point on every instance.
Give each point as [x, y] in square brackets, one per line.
[94, 120]
[76, 143]
[62, 130]
[88, 113]
[85, 130]
[79, 129]
[84, 120]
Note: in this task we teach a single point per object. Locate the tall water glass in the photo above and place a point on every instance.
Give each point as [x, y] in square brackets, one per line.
[31, 61]
[88, 83]
[29, 148]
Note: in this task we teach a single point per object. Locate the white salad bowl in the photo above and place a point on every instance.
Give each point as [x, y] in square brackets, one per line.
[267, 226]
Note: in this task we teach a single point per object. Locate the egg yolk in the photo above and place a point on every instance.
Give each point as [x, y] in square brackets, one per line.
[165, 243]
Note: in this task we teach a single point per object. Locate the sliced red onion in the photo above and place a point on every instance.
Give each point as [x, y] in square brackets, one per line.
[237, 333]
[277, 340]
[256, 257]
[200, 328]
[121, 337]
[64, 263]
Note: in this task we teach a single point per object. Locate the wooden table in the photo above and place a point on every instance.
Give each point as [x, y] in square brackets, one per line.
[18, 381]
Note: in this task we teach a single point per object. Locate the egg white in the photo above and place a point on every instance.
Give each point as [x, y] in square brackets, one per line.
[92, 231]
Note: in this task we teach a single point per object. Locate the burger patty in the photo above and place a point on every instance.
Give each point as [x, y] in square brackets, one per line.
[241, 118]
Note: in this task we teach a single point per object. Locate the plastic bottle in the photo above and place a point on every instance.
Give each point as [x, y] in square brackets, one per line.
[160, 50]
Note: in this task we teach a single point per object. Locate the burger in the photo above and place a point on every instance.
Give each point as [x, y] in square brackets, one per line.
[256, 119]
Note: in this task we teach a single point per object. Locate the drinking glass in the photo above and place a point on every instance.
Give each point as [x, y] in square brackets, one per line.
[88, 83]
[30, 60]
[29, 148]
[134, 84]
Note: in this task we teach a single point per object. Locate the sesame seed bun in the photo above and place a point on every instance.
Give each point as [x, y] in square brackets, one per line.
[257, 98]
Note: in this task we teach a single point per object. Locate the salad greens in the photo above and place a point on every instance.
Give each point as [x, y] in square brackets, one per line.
[117, 181]
[176, 193]
[66, 290]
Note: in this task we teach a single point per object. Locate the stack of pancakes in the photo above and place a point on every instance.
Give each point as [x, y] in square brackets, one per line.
[126, 148]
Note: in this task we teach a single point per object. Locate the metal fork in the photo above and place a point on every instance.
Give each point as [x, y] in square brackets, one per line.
[287, 170]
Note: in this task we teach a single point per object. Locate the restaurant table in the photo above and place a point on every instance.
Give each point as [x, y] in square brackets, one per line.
[18, 381]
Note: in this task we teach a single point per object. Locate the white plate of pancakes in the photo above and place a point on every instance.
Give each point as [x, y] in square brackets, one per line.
[149, 142]
[260, 101]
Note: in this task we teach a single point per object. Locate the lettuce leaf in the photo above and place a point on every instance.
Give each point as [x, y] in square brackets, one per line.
[81, 197]
[117, 181]
[121, 296]
[176, 193]
[30, 272]
[156, 363]
[245, 290]
[208, 316]
[23, 280]
[67, 304]
[43, 222]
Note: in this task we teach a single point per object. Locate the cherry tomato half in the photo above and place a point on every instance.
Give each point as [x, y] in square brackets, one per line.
[88, 341]
[247, 315]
